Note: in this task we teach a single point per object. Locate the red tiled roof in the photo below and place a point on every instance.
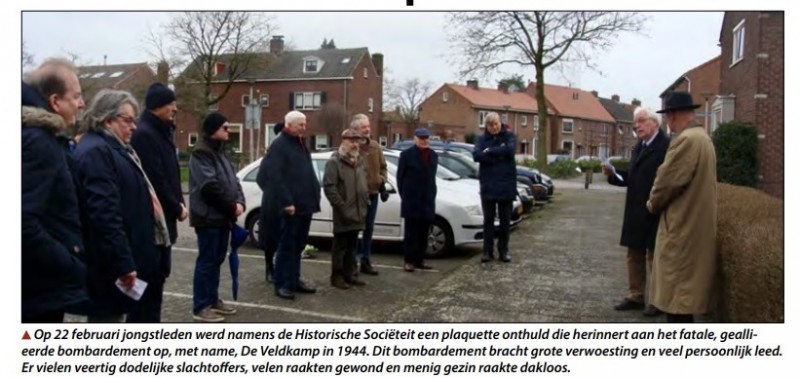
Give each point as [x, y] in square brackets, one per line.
[574, 102]
[496, 99]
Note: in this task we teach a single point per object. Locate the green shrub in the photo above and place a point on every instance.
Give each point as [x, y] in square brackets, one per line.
[562, 169]
[620, 164]
[470, 138]
[530, 163]
[593, 165]
[737, 153]
[750, 284]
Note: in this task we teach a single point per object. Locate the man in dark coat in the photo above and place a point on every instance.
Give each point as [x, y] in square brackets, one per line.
[153, 142]
[53, 275]
[639, 227]
[495, 154]
[416, 182]
[269, 221]
[292, 193]
[123, 219]
[215, 200]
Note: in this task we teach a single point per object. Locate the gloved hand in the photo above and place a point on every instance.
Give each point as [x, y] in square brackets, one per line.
[383, 193]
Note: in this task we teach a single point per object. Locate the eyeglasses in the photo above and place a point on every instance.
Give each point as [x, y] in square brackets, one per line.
[225, 128]
[127, 119]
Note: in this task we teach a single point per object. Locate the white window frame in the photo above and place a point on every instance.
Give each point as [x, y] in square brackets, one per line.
[738, 43]
[604, 130]
[534, 142]
[194, 136]
[366, 72]
[232, 129]
[504, 118]
[263, 99]
[436, 137]
[571, 150]
[245, 100]
[382, 141]
[317, 145]
[316, 65]
[481, 118]
[397, 137]
[370, 104]
[571, 129]
[536, 122]
[213, 107]
[316, 100]
[445, 96]
[524, 121]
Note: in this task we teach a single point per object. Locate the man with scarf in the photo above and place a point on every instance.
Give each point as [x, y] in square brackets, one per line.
[153, 142]
[215, 200]
[345, 186]
[123, 219]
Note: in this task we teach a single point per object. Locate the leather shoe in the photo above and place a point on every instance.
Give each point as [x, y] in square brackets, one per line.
[284, 293]
[486, 257]
[651, 311]
[354, 282]
[505, 258]
[422, 266]
[628, 304]
[303, 288]
[408, 267]
[366, 268]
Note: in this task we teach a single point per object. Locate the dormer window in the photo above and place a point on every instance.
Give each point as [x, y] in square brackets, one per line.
[219, 68]
[312, 64]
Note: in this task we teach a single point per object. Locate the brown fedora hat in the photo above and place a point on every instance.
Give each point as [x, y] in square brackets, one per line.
[679, 100]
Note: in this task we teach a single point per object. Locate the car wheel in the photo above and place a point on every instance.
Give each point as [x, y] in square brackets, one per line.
[253, 225]
[440, 239]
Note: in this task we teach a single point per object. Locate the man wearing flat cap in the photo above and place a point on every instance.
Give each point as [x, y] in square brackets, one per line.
[215, 201]
[685, 197]
[153, 142]
[345, 186]
[416, 182]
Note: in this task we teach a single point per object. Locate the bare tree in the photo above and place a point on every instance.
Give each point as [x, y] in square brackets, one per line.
[406, 97]
[332, 116]
[205, 38]
[27, 57]
[487, 41]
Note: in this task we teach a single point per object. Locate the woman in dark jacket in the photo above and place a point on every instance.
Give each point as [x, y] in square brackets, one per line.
[495, 154]
[215, 200]
[123, 219]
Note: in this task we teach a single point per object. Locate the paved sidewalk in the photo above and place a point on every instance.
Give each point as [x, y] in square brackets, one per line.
[567, 267]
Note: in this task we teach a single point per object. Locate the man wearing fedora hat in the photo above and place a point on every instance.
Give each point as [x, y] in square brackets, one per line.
[685, 197]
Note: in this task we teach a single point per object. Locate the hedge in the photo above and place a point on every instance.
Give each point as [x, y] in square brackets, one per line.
[736, 144]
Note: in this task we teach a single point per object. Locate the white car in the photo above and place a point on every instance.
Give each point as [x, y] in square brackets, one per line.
[459, 217]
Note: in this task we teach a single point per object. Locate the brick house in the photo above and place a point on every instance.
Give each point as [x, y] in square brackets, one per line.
[623, 138]
[134, 78]
[328, 85]
[455, 111]
[752, 85]
[393, 128]
[702, 82]
[582, 126]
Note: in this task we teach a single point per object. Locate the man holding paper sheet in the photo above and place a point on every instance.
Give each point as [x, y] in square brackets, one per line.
[639, 227]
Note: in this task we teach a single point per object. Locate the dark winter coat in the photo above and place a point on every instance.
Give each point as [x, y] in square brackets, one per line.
[345, 186]
[53, 275]
[117, 212]
[416, 183]
[214, 189]
[153, 142]
[288, 178]
[639, 227]
[497, 166]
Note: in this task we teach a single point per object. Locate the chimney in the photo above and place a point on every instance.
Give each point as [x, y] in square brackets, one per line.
[105, 58]
[377, 61]
[162, 72]
[276, 45]
[615, 98]
[501, 86]
[595, 94]
[636, 102]
[473, 83]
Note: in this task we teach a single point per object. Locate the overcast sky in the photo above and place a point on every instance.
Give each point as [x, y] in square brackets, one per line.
[414, 44]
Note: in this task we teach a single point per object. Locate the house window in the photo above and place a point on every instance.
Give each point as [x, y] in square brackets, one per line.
[382, 141]
[536, 123]
[566, 126]
[235, 136]
[524, 121]
[310, 66]
[366, 72]
[738, 43]
[566, 145]
[445, 96]
[215, 106]
[482, 117]
[604, 130]
[264, 100]
[192, 139]
[397, 137]
[219, 68]
[370, 104]
[504, 118]
[245, 100]
[307, 100]
[321, 142]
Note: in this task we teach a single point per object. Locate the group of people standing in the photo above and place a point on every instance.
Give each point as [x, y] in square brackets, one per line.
[101, 198]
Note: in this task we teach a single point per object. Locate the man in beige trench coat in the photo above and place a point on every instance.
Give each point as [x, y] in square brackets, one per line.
[685, 196]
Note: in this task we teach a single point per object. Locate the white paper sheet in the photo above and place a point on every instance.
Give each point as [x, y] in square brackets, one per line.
[136, 291]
